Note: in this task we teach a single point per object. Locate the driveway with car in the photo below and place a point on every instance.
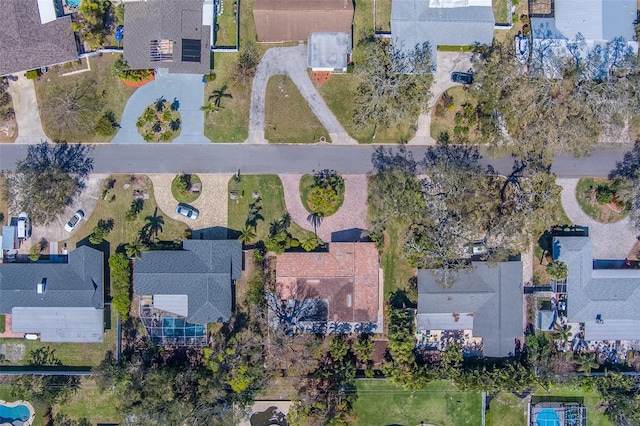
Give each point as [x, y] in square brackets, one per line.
[212, 204]
[448, 62]
[188, 89]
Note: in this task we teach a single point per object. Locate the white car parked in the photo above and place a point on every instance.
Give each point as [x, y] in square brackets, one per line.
[73, 222]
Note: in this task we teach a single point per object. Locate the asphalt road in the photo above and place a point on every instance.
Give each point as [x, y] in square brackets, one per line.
[264, 159]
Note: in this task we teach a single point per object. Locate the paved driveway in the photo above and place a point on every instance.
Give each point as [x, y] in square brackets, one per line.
[187, 88]
[291, 61]
[346, 224]
[25, 105]
[610, 241]
[447, 63]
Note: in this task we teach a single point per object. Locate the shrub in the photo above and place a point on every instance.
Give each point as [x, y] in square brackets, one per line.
[121, 69]
[32, 74]
[323, 201]
[439, 110]
[605, 194]
[210, 77]
[557, 271]
[247, 62]
[447, 100]
[107, 124]
[328, 178]
[101, 231]
[34, 253]
[120, 268]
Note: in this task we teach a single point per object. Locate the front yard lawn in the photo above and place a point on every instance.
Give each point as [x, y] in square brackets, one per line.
[397, 271]
[454, 114]
[91, 404]
[383, 15]
[440, 403]
[117, 204]
[106, 93]
[586, 193]
[272, 201]
[288, 116]
[338, 92]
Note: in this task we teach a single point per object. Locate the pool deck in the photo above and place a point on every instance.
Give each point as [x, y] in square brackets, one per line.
[8, 333]
[32, 416]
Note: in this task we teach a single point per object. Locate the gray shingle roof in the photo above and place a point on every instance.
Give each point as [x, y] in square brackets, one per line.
[203, 271]
[78, 283]
[492, 294]
[173, 20]
[26, 43]
[414, 22]
[614, 294]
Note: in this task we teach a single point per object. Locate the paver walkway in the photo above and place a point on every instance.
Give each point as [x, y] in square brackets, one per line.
[212, 204]
[25, 106]
[346, 224]
[610, 241]
[291, 61]
[188, 89]
[447, 63]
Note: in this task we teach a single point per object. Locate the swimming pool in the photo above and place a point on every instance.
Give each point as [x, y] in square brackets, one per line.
[19, 413]
[73, 3]
[547, 417]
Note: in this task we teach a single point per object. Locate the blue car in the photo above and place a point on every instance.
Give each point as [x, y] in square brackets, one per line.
[119, 33]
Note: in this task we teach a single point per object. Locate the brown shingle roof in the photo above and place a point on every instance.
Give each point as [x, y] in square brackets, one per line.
[346, 276]
[294, 20]
[26, 43]
[171, 21]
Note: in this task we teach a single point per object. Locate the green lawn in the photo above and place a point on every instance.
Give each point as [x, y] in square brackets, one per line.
[443, 116]
[440, 403]
[91, 404]
[595, 414]
[397, 271]
[1, 323]
[507, 409]
[362, 20]
[501, 11]
[383, 15]
[288, 116]
[73, 354]
[231, 122]
[339, 92]
[111, 92]
[273, 206]
[585, 194]
[226, 36]
[126, 231]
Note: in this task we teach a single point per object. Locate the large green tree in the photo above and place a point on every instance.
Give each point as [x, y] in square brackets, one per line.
[48, 180]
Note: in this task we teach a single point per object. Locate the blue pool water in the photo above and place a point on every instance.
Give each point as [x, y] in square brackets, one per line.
[73, 3]
[547, 417]
[14, 415]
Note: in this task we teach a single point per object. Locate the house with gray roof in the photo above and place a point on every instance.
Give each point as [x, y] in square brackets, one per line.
[62, 302]
[606, 301]
[596, 22]
[441, 22]
[168, 34]
[194, 283]
[486, 299]
[34, 34]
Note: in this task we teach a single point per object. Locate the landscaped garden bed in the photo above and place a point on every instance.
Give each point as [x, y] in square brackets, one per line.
[160, 121]
[455, 117]
[322, 194]
[186, 188]
[602, 199]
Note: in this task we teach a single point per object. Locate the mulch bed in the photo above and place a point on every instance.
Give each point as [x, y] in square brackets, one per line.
[136, 84]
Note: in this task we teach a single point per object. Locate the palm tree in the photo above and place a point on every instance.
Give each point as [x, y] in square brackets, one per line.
[160, 104]
[209, 108]
[316, 220]
[154, 223]
[246, 235]
[148, 136]
[585, 363]
[174, 124]
[175, 105]
[217, 96]
[561, 332]
[157, 127]
[148, 115]
[134, 249]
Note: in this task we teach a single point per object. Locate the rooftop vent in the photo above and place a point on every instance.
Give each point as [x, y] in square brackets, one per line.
[41, 286]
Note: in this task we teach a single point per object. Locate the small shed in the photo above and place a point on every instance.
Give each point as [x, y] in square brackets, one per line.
[9, 238]
[329, 51]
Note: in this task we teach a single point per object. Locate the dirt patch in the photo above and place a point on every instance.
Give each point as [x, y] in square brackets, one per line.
[13, 352]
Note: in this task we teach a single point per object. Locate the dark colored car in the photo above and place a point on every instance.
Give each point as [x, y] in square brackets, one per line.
[462, 77]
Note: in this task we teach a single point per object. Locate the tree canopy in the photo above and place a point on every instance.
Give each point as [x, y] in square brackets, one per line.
[48, 180]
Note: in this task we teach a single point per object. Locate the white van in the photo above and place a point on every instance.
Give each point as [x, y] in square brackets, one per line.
[23, 226]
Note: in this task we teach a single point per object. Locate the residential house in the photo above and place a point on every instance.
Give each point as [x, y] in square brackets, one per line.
[34, 34]
[605, 301]
[595, 22]
[169, 34]
[335, 291]
[181, 291]
[329, 51]
[441, 23]
[295, 20]
[485, 302]
[62, 302]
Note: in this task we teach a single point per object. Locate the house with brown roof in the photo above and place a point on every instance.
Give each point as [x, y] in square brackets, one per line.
[295, 20]
[336, 291]
[34, 34]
